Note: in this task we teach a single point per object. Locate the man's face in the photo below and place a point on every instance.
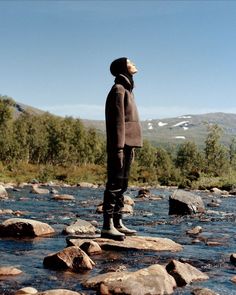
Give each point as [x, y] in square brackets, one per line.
[131, 67]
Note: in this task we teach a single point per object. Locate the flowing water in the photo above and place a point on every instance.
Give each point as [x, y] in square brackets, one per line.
[150, 218]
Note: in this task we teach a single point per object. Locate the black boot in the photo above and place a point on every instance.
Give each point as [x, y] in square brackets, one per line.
[109, 231]
[117, 218]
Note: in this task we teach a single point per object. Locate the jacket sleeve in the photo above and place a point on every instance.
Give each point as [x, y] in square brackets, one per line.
[119, 117]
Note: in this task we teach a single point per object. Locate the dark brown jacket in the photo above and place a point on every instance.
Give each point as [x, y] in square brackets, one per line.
[122, 120]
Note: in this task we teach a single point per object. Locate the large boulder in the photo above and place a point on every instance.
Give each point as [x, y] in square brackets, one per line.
[80, 227]
[132, 243]
[151, 280]
[184, 273]
[182, 203]
[72, 258]
[20, 227]
[3, 193]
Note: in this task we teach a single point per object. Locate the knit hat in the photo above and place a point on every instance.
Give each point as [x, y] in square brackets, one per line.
[119, 66]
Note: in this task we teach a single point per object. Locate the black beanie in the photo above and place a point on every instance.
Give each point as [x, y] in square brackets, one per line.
[119, 66]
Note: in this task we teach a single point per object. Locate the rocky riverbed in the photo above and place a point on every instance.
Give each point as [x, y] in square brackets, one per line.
[204, 241]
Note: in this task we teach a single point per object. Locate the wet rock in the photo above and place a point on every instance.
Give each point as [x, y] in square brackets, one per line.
[233, 258]
[91, 248]
[26, 291]
[9, 271]
[203, 291]
[80, 227]
[144, 193]
[87, 185]
[182, 203]
[54, 191]
[213, 203]
[233, 279]
[151, 280]
[19, 227]
[132, 243]
[37, 190]
[184, 273]
[194, 231]
[219, 192]
[6, 211]
[3, 193]
[59, 292]
[128, 200]
[72, 257]
[63, 197]
[213, 243]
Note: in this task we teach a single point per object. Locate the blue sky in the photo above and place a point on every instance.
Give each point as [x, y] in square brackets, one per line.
[55, 55]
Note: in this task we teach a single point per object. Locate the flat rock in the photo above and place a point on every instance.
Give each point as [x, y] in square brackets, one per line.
[132, 243]
[27, 291]
[80, 227]
[20, 227]
[151, 280]
[37, 190]
[183, 202]
[87, 185]
[63, 197]
[9, 271]
[184, 273]
[72, 258]
[59, 292]
[3, 192]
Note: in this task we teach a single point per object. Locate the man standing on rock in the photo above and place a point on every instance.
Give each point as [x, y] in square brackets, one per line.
[123, 132]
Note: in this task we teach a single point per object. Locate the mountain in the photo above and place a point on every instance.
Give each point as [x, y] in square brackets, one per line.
[168, 131]
[184, 128]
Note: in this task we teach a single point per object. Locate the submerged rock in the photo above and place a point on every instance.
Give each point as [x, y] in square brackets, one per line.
[203, 291]
[73, 258]
[182, 203]
[184, 273]
[9, 271]
[19, 227]
[80, 227]
[151, 280]
[194, 231]
[132, 243]
[233, 258]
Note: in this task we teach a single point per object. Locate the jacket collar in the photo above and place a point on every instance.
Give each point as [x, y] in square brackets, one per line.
[123, 80]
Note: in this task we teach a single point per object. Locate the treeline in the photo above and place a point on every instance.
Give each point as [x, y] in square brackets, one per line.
[49, 141]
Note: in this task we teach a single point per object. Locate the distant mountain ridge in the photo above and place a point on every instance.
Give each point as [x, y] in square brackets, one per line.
[166, 131]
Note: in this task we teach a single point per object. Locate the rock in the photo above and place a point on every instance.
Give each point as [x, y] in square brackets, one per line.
[182, 202]
[3, 193]
[63, 197]
[7, 211]
[19, 227]
[203, 291]
[72, 257]
[233, 279]
[80, 227]
[53, 191]
[128, 200]
[91, 248]
[26, 291]
[213, 204]
[151, 280]
[233, 258]
[219, 192]
[184, 273]
[144, 193]
[194, 231]
[87, 185]
[213, 243]
[41, 191]
[59, 292]
[132, 243]
[9, 271]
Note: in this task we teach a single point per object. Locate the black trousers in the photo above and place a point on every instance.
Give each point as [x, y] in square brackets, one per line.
[118, 169]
